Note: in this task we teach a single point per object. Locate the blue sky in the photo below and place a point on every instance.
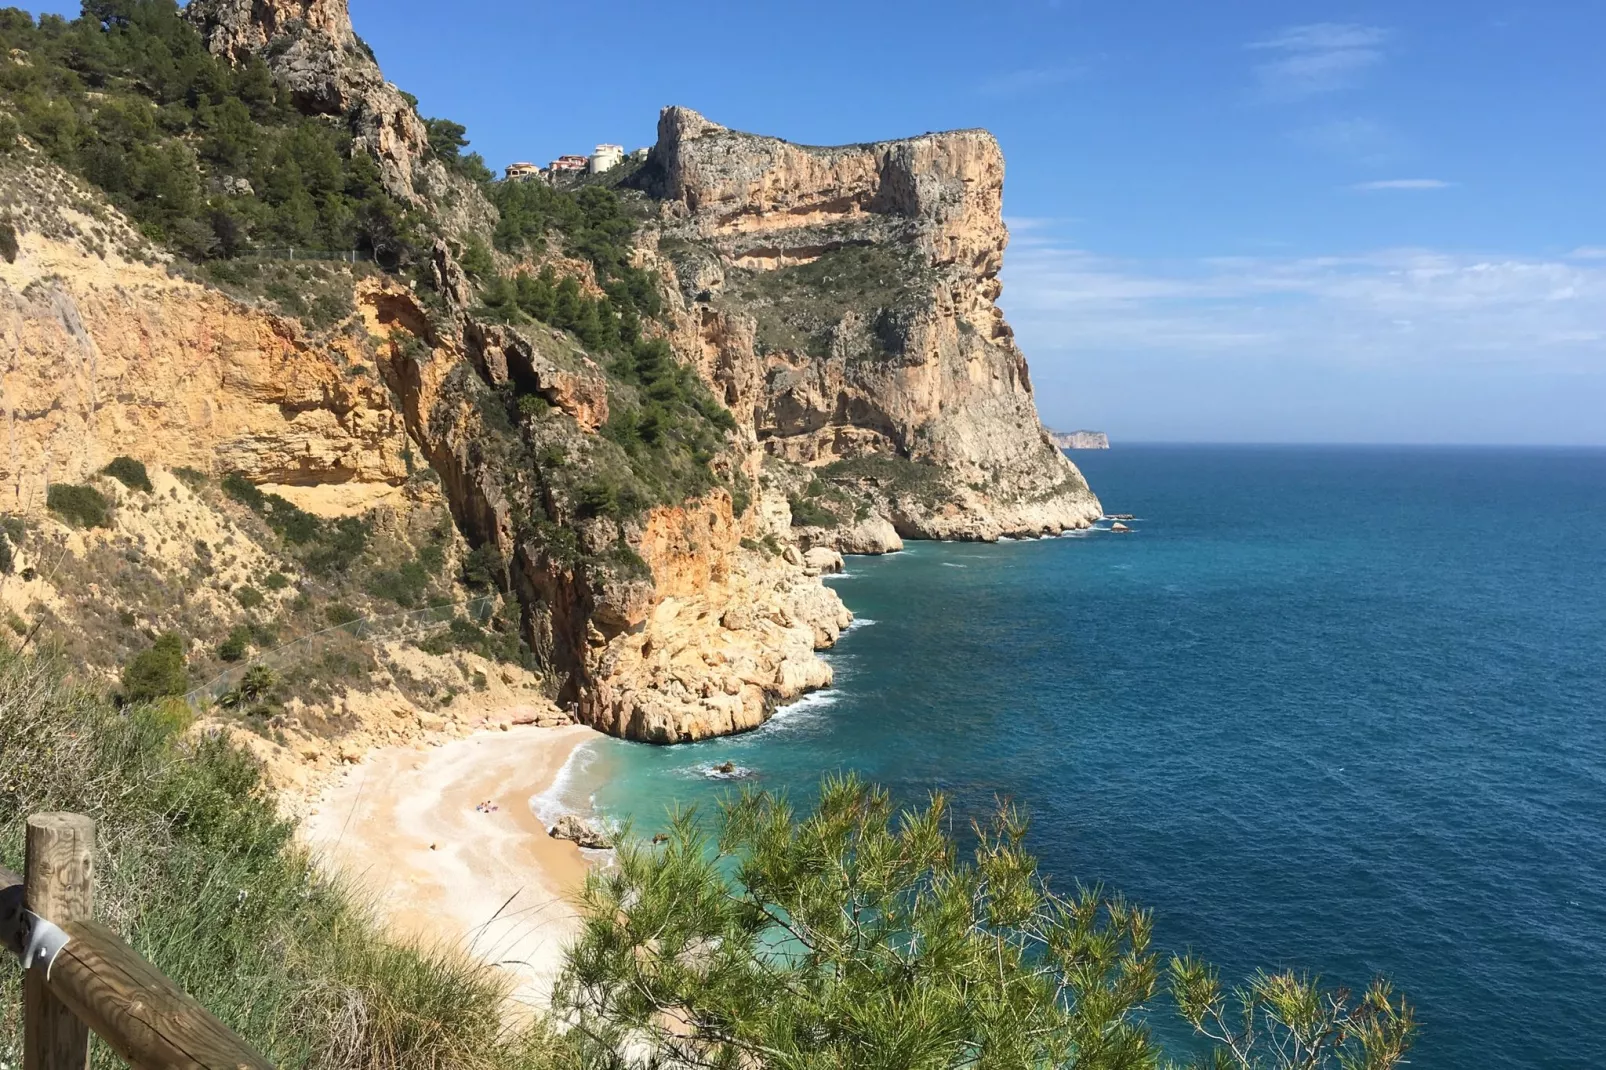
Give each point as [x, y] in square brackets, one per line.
[1248, 220]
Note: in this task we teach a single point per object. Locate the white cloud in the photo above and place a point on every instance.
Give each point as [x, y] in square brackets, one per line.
[1589, 252]
[1404, 183]
[1318, 58]
[1016, 83]
[1393, 306]
[1325, 37]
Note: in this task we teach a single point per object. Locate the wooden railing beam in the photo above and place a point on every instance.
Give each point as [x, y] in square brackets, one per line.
[134, 1008]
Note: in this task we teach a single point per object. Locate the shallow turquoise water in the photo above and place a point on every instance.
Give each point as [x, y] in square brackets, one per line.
[1337, 708]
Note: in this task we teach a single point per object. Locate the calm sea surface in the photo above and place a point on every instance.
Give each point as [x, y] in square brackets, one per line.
[1342, 708]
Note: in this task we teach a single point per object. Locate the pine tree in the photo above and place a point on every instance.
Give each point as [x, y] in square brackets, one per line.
[855, 936]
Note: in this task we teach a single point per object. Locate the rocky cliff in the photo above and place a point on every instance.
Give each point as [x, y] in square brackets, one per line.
[649, 452]
[844, 301]
[317, 57]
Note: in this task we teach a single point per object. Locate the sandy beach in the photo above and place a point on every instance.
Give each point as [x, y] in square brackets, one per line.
[403, 824]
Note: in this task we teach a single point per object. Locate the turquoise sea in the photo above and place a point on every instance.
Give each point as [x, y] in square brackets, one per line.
[1342, 708]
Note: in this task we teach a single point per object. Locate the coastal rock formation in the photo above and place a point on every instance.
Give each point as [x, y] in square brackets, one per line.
[581, 832]
[658, 550]
[844, 299]
[1080, 440]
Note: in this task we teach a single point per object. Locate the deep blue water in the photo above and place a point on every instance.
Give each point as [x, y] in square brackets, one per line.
[1340, 708]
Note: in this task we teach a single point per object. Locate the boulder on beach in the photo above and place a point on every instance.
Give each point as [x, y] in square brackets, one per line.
[580, 831]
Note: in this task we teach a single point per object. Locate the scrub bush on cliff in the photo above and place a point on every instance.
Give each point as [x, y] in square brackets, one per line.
[854, 936]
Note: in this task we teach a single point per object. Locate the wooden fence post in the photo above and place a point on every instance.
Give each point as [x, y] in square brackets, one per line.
[59, 884]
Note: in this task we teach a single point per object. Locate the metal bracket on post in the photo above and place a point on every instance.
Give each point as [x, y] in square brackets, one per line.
[34, 940]
[42, 942]
[28, 935]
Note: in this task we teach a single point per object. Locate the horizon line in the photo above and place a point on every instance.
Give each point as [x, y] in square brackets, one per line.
[1335, 443]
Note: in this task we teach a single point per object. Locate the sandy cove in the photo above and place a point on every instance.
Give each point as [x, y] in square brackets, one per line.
[402, 824]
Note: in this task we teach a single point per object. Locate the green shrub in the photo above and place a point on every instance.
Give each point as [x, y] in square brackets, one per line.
[12, 528]
[483, 566]
[476, 260]
[166, 717]
[8, 241]
[500, 642]
[242, 490]
[248, 596]
[129, 472]
[860, 934]
[599, 497]
[807, 513]
[234, 647]
[81, 506]
[324, 547]
[190, 477]
[157, 672]
[275, 581]
[337, 614]
[405, 586]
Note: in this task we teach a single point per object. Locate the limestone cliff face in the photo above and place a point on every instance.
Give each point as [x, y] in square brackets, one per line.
[704, 639]
[108, 355]
[844, 299]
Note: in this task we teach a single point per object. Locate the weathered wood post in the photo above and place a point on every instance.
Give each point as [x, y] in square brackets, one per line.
[59, 884]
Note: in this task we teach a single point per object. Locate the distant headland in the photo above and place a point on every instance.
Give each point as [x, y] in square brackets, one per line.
[1080, 440]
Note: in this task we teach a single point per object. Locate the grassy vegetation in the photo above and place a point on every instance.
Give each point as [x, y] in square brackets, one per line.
[81, 506]
[799, 308]
[890, 477]
[206, 882]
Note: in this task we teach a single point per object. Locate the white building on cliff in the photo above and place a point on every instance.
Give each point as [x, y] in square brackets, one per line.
[606, 158]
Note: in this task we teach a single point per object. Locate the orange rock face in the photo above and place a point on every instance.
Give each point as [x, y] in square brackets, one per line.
[106, 359]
